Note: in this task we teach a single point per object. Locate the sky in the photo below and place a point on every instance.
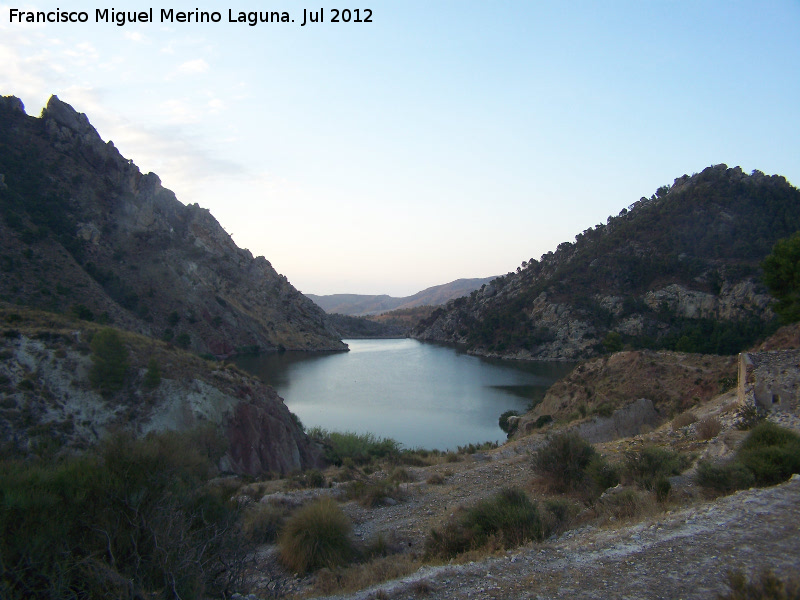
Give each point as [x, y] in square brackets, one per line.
[442, 139]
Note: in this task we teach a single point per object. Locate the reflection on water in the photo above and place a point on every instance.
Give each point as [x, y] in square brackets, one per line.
[422, 395]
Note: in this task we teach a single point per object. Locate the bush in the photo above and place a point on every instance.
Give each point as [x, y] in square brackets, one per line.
[558, 513]
[152, 377]
[724, 478]
[360, 448]
[621, 505]
[309, 479]
[370, 495]
[748, 416]
[401, 475]
[541, 421]
[509, 518]
[648, 465]
[708, 428]
[317, 535]
[508, 428]
[602, 474]
[563, 461]
[662, 489]
[682, 420]
[109, 361]
[122, 522]
[768, 587]
[183, 340]
[771, 453]
[261, 523]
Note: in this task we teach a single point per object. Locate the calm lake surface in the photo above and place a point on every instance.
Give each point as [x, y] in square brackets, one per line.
[420, 394]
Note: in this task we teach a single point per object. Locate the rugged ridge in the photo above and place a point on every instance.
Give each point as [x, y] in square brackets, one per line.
[83, 229]
[676, 271]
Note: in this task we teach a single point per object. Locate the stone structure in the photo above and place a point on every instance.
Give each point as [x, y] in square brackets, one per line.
[770, 380]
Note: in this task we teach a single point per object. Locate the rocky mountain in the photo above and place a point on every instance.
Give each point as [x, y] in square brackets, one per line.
[48, 402]
[676, 271]
[360, 304]
[83, 230]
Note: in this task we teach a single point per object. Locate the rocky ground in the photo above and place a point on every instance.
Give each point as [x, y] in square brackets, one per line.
[682, 549]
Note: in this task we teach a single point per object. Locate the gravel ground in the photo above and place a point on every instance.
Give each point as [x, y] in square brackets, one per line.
[683, 555]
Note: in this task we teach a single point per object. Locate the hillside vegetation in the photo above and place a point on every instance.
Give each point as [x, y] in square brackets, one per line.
[678, 271]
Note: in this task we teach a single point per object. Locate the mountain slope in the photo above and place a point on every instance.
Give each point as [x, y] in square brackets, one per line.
[679, 271]
[360, 304]
[83, 229]
[48, 399]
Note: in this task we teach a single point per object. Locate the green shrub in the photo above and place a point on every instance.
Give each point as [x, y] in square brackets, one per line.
[308, 479]
[109, 361]
[152, 377]
[771, 453]
[648, 465]
[748, 416]
[563, 461]
[183, 340]
[559, 513]
[509, 518]
[662, 489]
[79, 311]
[317, 535]
[508, 428]
[768, 587]
[602, 474]
[360, 448]
[724, 478]
[542, 420]
[121, 522]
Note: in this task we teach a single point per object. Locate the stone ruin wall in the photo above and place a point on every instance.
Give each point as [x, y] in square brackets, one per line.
[770, 380]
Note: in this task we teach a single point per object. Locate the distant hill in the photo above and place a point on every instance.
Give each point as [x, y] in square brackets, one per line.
[676, 271]
[360, 305]
[82, 230]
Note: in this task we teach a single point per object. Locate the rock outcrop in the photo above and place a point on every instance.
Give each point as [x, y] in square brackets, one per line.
[83, 227]
[669, 383]
[47, 401]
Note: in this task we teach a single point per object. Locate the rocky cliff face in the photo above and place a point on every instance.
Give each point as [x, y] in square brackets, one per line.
[84, 230]
[46, 401]
[670, 381]
[677, 271]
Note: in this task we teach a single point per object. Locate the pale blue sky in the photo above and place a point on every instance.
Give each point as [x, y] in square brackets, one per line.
[443, 140]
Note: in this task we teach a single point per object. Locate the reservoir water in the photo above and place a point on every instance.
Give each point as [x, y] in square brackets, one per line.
[422, 395]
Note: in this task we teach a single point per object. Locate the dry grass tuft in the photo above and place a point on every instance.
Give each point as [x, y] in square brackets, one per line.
[364, 575]
[708, 428]
[683, 419]
[317, 535]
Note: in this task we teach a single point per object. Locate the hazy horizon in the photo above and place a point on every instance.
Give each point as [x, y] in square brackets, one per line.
[438, 142]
